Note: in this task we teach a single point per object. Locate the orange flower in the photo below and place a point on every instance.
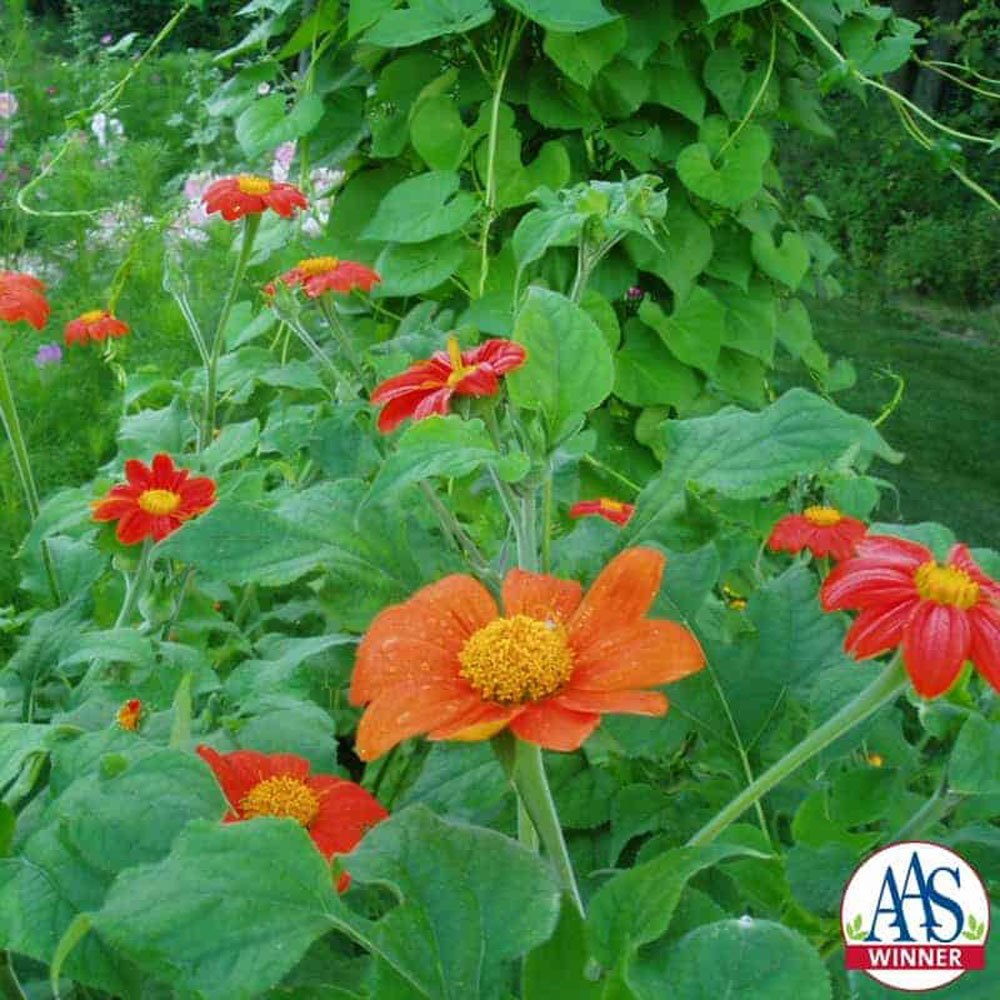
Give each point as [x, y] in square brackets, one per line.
[23, 297]
[235, 197]
[98, 324]
[336, 813]
[611, 510]
[824, 531]
[328, 274]
[426, 387]
[942, 615]
[445, 662]
[128, 715]
[155, 501]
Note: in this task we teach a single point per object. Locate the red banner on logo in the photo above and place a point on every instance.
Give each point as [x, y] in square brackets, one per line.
[914, 956]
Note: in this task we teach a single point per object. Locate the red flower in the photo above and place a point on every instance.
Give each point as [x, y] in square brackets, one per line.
[942, 615]
[824, 531]
[128, 715]
[427, 386]
[611, 510]
[155, 501]
[23, 297]
[98, 324]
[337, 813]
[448, 664]
[328, 274]
[235, 197]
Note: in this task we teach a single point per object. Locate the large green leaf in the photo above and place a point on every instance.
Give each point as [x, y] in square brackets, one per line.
[565, 15]
[438, 133]
[421, 208]
[973, 768]
[569, 368]
[421, 20]
[722, 8]
[268, 123]
[787, 262]
[557, 969]
[694, 332]
[746, 958]
[581, 56]
[646, 374]
[747, 455]
[738, 174]
[412, 268]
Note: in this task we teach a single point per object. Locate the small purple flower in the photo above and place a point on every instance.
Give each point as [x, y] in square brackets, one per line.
[635, 294]
[48, 354]
[107, 39]
[52, 91]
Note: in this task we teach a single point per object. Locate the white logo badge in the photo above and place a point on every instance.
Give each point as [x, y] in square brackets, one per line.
[915, 916]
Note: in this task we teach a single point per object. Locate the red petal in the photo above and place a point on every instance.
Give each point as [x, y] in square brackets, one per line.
[789, 534]
[878, 629]
[860, 582]
[481, 382]
[546, 598]
[138, 474]
[898, 552]
[163, 472]
[935, 644]
[553, 727]
[346, 813]
[984, 650]
[434, 402]
[627, 702]
[962, 558]
[134, 526]
[398, 410]
[501, 355]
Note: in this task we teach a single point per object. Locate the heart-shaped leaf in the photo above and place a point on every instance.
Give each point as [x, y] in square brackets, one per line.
[787, 263]
[736, 178]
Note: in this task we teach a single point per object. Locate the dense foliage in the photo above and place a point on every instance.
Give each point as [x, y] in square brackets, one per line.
[477, 262]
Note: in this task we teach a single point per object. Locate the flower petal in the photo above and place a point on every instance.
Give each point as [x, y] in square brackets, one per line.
[860, 582]
[879, 628]
[897, 551]
[536, 595]
[410, 709]
[639, 655]
[626, 702]
[347, 811]
[789, 534]
[962, 558]
[553, 727]
[935, 644]
[479, 723]
[984, 650]
[621, 594]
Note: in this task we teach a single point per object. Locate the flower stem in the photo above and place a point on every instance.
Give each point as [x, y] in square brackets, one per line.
[341, 334]
[527, 771]
[890, 683]
[9, 986]
[22, 463]
[251, 223]
[135, 586]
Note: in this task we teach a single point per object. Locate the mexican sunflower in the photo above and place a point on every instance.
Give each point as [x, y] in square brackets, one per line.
[328, 274]
[447, 663]
[129, 714]
[336, 813]
[155, 501]
[941, 614]
[427, 386]
[611, 510]
[824, 531]
[236, 197]
[23, 297]
[98, 324]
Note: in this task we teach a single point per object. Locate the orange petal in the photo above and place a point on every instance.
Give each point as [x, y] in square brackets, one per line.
[409, 709]
[553, 727]
[644, 654]
[621, 595]
[936, 642]
[479, 723]
[422, 637]
[546, 598]
[627, 702]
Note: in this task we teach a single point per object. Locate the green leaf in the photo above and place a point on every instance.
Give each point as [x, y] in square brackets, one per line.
[437, 446]
[794, 328]
[471, 900]
[564, 15]
[582, 55]
[421, 20]
[558, 103]
[723, 8]
[725, 78]
[748, 455]
[569, 368]
[787, 263]
[695, 331]
[556, 969]
[422, 208]
[646, 374]
[236, 441]
[738, 178]
[438, 133]
[356, 204]
[674, 86]
[746, 958]
[184, 920]
[973, 767]
[268, 123]
[144, 434]
[411, 268]
[637, 905]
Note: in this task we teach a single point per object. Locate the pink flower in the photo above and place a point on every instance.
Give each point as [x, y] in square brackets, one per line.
[8, 104]
[283, 157]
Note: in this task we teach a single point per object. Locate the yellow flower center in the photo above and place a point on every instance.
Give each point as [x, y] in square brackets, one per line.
[248, 184]
[518, 659]
[318, 265]
[460, 369]
[159, 502]
[823, 516]
[615, 506]
[946, 585]
[93, 316]
[282, 796]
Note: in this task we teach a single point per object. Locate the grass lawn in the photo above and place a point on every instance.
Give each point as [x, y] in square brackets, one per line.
[948, 422]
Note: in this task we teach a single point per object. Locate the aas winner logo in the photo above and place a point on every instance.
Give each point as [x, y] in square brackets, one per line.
[915, 916]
